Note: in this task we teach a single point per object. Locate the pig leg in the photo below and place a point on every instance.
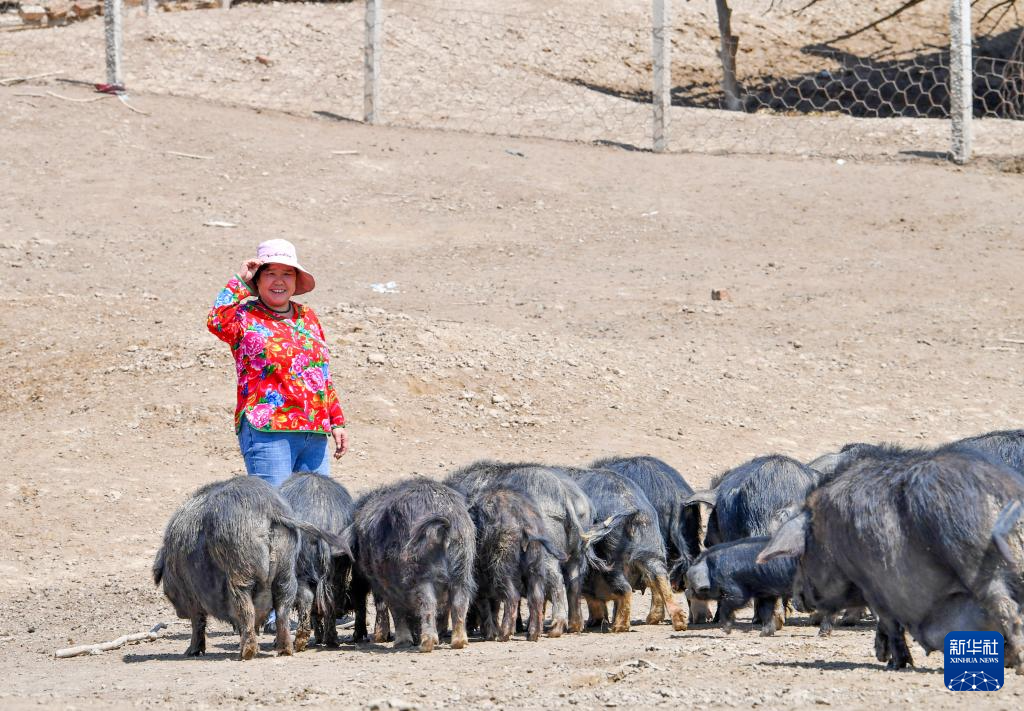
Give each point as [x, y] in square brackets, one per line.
[403, 632]
[559, 605]
[460, 598]
[382, 624]
[330, 627]
[574, 593]
[535, 603]
[662, 592]
[891, 644]
[428, 618]
[826, 625]
[488, 628]
[358, 592]
[597, 613]
[852, 615]
[245, 617]
[623, 609]
[304, 608]
[727, 612]
[510, 615]
[197, 646]
[283, 590]
[657, 613]
[766, 607]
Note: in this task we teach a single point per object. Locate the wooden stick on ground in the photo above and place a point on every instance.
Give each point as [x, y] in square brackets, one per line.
[154, 633]
[17, 80]
[78, 101]
[188, 155]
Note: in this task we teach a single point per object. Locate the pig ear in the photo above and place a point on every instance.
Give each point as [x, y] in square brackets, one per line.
[780, 517]
[789, 541]
[707, 496]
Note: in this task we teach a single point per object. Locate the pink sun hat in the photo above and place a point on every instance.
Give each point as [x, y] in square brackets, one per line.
[281, 251]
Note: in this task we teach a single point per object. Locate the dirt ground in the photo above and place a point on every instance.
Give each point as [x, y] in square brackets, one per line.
[867, 300]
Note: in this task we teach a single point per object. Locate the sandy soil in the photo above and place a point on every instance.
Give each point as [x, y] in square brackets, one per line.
[869, 300]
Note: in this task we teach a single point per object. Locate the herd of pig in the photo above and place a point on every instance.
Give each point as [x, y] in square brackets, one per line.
[926, 539]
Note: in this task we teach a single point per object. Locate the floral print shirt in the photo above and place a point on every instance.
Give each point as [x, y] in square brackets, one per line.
[284, 384]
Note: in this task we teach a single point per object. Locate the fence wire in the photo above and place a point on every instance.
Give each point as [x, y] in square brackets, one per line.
[588, 77]
[808, 82]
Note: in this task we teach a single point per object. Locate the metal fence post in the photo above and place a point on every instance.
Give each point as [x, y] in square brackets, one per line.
[961, 77]
[112, 26]
[661, 60]
[371, 62]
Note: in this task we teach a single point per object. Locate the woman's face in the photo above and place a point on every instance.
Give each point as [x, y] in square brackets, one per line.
[277, 285]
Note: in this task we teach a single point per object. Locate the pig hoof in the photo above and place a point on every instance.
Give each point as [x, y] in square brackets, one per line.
[301, 641]
[428, 643]
[828, 633]
[195, 651]
[557, 629]
[248, 651]
[576, 627]
[459, 642]
[286, 651]
[768, 631]
[653, 619]
[679, 621]
[620, 628]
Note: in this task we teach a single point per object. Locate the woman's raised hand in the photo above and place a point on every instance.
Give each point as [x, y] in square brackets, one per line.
[249, 267]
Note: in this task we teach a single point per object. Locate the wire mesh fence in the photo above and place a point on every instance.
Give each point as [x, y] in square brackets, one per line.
[799, 90]
[805, 77]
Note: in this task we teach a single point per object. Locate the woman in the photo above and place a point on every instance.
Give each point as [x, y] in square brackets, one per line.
[287, 408]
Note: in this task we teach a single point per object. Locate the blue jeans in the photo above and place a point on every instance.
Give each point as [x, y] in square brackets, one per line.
[273, 456]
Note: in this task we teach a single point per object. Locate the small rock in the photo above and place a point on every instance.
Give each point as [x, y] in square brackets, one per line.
[497, 398]
[32, 14]
[85, 9]
[376, 359]
[720, 295]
